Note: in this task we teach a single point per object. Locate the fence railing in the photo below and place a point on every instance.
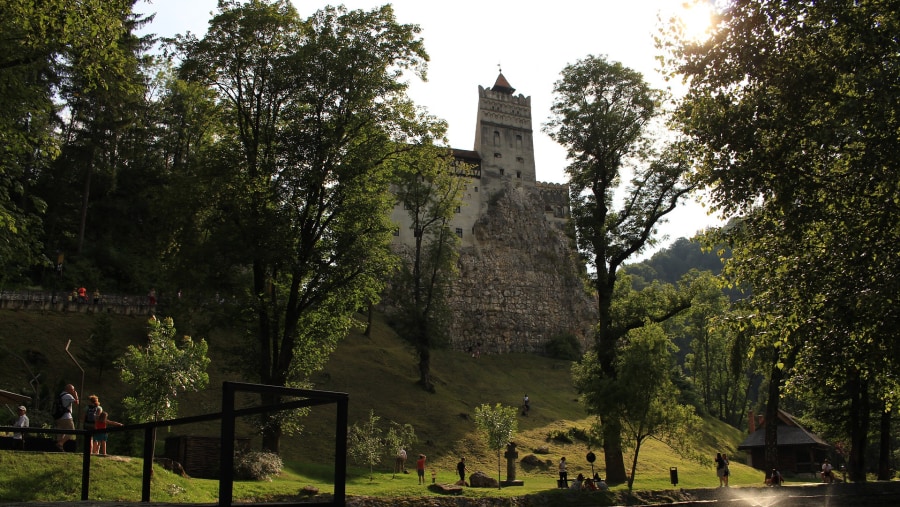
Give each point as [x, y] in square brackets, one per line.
[228, 417]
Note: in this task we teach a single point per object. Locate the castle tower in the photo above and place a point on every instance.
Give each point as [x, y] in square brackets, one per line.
[520, 281]
[503, 135]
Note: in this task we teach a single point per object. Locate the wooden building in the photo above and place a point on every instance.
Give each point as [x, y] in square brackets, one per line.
[799, 450]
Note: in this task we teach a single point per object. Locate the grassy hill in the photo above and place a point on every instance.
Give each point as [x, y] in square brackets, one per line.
[379, 373]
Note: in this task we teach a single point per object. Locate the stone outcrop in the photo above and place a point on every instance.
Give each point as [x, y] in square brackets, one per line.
[520, 284]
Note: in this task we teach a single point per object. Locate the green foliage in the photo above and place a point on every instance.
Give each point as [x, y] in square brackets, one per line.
[160, 370]
[368, 443]
[100, 351]
[564, 346]
[796, 147]
[295, 189]
[497, 426]
[257, 466]
[430, 193]
[569, 436]
[602, 114]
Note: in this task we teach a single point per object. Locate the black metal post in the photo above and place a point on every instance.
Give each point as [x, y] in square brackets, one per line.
[226, 446]
[86, 467]
[149, 437]
[340, 452]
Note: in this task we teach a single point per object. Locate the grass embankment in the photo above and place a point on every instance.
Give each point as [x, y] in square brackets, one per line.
[379, 373]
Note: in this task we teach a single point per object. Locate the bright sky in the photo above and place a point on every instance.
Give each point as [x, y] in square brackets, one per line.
[467, 40]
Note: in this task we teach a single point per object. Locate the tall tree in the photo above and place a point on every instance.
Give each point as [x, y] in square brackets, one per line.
[429, 191]
[792, 114]
[603, 114]
[46, 47]
[298, 201]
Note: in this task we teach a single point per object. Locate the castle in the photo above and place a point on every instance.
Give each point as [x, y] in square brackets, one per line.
[520, 280]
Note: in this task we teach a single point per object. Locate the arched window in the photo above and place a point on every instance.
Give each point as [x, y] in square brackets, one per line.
[496, 138]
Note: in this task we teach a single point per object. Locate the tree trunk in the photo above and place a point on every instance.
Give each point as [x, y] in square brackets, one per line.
[884, 448]
[271, 437]
[271, 433]
[771, 447]
[85, 200]
[859, 426]
[612, 451]
[425, 369]
[634, 461]
[368, 333]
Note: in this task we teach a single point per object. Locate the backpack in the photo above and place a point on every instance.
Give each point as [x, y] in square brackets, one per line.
[90, 415]
[58, 409]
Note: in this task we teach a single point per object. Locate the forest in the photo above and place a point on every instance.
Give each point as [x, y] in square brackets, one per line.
[257, 160]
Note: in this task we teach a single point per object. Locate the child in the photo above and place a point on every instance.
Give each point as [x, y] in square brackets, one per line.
[100, 438]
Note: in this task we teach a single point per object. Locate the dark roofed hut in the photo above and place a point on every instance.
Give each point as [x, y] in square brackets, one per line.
[799, 450]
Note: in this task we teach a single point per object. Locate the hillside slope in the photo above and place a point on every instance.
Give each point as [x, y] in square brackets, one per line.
[379, 373]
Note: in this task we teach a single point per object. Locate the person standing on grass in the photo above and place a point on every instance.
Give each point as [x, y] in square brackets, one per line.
[103, 421]
[21, 422]
[89, 418]
[401, 461]
[420, 468]
[461, 470]
[720, 469]
[563, 473]
[68, 398]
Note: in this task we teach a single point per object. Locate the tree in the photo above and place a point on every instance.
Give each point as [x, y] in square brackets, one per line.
[717, 361]
[369, 443]
[497, 425]
[46, 47]
[365, 443]
[647, 404]
[160, 370]
[400, 436]
[430, 192]
[602, 115]
[792, 116]
[99, 352]
[295, 215]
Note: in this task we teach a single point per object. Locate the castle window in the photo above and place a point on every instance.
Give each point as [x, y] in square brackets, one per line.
[458, 210]
[476, 189]
[519, 143]
[498, 155]
[520, 160]
[496, 138]
[518, 174]
[459, 231]
[396, 231]
[502, 171]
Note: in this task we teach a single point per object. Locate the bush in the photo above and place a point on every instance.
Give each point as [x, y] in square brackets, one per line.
[560, 436]
[564, 346]
[257, 466]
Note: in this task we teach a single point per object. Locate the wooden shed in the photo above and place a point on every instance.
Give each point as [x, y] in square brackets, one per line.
[799, 450]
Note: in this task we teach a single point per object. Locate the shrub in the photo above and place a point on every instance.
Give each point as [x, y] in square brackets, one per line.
[559, 436]
[564, 346]
[257, 466]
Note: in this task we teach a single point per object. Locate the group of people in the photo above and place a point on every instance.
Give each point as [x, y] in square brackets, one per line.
[595, 483]
[94, 418]
[420, 464]
[80, 295]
